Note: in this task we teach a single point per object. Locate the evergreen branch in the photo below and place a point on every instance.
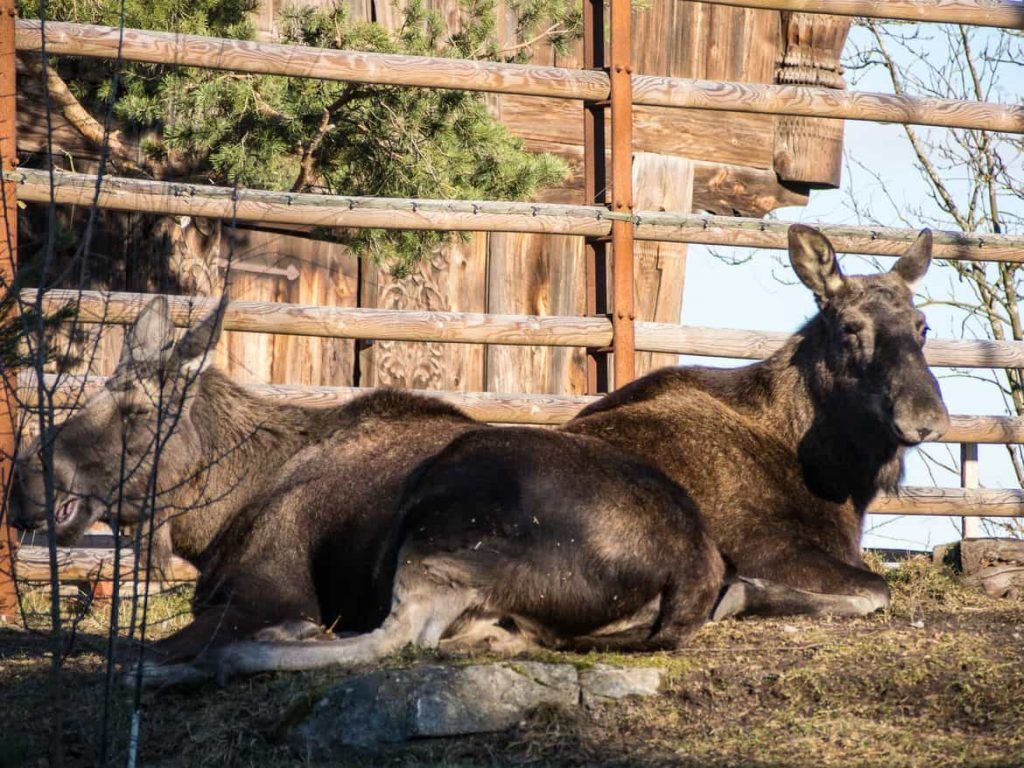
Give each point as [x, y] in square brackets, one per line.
[80, 119]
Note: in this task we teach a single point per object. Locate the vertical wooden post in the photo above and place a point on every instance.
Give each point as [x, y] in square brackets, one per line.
[970, 527]
[621, 74]
[595, 182]
[8, 260]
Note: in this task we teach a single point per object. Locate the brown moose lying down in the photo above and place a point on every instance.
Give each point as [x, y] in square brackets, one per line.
[396, 519]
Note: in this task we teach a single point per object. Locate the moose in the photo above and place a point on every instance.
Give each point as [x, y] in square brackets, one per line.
[394, 516]
[402, 520]
[784, 456]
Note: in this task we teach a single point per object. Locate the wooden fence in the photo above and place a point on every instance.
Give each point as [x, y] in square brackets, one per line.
[602, 86]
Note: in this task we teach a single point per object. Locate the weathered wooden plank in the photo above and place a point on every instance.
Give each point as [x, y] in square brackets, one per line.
[811, 101]
[955, 502]
[757, 345]
[1008, 14]
[341, 322]
[451, 280]
[666, 183]
[87, 564]
[63, 38]
[466, 327]
[394, 213]
[436, 72]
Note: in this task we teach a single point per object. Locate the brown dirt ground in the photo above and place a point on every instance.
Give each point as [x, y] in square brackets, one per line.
[937, 680]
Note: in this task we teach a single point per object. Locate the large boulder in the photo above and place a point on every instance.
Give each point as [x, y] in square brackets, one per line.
[397, 705]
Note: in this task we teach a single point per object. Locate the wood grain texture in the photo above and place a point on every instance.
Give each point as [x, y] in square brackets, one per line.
[434, 72]
[302, 61]
[466, 327]
[88, 564]
[660, 182]
[452, 281]
[315, 210]
[495, 407]
[955, 502]
[756, 345]
[394, 213]
[1007, 14]
[810, 101]
[340, 322]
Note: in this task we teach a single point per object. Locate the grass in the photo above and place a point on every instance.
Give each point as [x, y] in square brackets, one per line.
[937, 679]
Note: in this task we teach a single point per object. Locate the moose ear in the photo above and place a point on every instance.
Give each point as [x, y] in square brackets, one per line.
[196, 347]
[913, 264]
[150, 336]
[814, 260]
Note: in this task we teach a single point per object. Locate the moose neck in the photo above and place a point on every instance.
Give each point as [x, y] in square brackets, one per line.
[242, 440]
[843, 453]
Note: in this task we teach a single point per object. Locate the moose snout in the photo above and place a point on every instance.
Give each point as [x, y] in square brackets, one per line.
[922, 423]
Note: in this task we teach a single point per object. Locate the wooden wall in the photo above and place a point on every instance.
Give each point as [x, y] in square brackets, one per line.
[686, 160]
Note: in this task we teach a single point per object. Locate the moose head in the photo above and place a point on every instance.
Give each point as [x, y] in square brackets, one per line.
[871, 337]
[129, 442]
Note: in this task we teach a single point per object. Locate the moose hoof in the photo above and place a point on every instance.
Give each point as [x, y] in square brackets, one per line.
[295, 629]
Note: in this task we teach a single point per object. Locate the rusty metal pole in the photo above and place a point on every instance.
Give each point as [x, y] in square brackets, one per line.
[8, 261]
[621, 72]
[595, 187]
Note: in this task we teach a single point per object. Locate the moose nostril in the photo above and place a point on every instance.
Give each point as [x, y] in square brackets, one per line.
[924, 433]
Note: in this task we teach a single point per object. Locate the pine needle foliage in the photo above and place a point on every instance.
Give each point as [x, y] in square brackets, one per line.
[304, 134]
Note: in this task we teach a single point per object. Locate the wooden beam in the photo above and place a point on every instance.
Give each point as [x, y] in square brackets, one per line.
[8, 266]
[288, 208]
[1005, 14]
[757, 345]
[621, 108]
[478, 328]
[435, 72]
[954, 502]
[492, 407]
[89, 564]
[94, 41]
[810, 101]
[339, 322]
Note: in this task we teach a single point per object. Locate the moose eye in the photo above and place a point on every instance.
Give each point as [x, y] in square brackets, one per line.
[851, 329]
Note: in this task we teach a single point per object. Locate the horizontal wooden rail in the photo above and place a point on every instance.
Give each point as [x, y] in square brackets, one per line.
[340, 322]
[953, 502]
[310, 210]
[757, 345]
[459, 327]
[811, 101]
[91, 564]
[66, 38]
[981, 13]
[493, 407]
[436, 72]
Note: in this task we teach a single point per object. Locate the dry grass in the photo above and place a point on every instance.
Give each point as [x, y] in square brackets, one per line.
[936, 680]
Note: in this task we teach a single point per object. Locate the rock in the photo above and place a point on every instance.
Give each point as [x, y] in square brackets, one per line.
[606, 683]
[397, 705]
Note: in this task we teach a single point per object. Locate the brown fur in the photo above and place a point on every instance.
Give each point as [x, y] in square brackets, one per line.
[784, 456]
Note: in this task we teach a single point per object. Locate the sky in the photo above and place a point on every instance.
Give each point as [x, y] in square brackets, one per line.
[762, 293]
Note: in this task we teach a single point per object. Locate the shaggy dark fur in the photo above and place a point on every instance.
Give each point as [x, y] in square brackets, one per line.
[296, 517]
[784, 456]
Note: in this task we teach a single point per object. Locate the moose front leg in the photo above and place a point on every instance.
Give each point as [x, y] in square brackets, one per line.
[810, 583]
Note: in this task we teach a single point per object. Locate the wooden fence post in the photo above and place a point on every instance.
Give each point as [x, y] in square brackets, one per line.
[595, 183]
[8, 259]
[621, 74]
[970, 527]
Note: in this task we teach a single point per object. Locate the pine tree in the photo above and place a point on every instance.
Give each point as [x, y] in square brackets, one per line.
[313, 135]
